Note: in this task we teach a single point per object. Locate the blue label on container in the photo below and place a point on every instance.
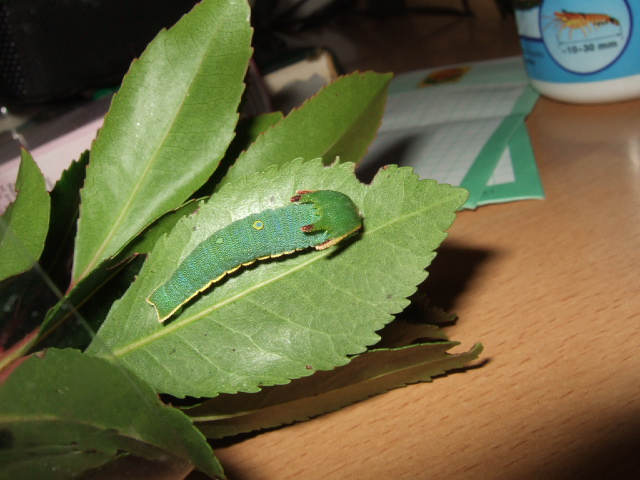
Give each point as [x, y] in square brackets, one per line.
[579, 40]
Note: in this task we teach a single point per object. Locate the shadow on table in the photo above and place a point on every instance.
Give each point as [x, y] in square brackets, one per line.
[617, 456]
[452, 273]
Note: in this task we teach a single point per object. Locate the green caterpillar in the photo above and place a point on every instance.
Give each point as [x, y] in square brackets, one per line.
[319, 219]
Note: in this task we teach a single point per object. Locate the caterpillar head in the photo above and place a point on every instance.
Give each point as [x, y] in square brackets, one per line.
[339, 216]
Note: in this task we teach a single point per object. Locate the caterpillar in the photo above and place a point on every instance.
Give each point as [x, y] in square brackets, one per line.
[319, 219]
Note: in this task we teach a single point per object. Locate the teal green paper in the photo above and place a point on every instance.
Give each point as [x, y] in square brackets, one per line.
[317, 219]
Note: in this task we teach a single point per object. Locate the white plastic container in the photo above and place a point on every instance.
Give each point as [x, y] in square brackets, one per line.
[581, 51]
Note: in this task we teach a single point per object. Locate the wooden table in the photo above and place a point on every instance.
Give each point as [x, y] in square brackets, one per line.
[551, 289]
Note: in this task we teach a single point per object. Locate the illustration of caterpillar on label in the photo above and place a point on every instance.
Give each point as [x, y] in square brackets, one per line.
[584, 22]
[319, 219]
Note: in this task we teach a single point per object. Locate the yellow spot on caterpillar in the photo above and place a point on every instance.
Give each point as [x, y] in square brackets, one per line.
[258, 224]
[219, 240]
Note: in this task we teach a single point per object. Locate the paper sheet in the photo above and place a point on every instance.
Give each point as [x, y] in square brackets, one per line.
[469, 133]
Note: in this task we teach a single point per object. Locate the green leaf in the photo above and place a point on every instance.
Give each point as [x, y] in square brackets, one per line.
[65, 205]
[369, 374]
[144, 242]
[340, 121]
[284, 318]
[79, 313]
[167, 129]
[66, 412]
[247, 131]
[24, 224]
[74, 319]
[400, 333]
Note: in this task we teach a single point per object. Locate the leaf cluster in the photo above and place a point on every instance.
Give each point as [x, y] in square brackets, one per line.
[281, 341]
